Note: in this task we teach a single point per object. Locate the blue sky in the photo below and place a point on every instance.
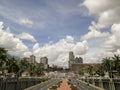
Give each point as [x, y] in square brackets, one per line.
[54, 19]
[44, 24]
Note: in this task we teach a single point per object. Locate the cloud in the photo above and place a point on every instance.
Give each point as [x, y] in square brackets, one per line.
[26, 36]
[98, 6]
[113, 42]
[94, 34]
[69, 39]
[81, 48]
[26, 22]
[107, 11]
[57, 53]
[108, 14]
[14, 45]
[95, 55]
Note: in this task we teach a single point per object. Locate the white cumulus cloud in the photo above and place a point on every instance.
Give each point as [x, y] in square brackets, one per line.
[69, 39]
[107, 11]
[113, 42]
[58, 52]
[14, 45]
[26, 36]
[81, 48]
[108, 15]
[94, 34]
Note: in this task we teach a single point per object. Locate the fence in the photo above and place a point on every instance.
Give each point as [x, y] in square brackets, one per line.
[18, 83]
[107, 84]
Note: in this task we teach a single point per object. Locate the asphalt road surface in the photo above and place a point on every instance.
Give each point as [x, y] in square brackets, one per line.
[77, 83]
[44, 85]
[81, 85]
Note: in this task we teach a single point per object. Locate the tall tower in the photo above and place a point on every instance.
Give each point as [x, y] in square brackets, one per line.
[71, 56]
[44, 61]
[32, 59]
[71, 59]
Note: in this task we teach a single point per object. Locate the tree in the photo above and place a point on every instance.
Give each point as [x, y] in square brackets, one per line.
[24, 65]
[107, 64]
[3, 57]
[12, 65]
[32, 69]
[90, 70]
[100, 70]
[80, 72]
[116, 59]
[39, 70]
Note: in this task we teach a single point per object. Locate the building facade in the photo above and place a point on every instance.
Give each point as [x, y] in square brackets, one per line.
[76, 64]
[44, 62]
[32, 59]
[74, 61]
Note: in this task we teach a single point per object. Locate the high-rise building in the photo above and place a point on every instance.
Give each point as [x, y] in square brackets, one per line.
[78, 60]
[71, 59]
[76, 64]
[71, 56]
[74, 61]
[32, 59]
[44, 61]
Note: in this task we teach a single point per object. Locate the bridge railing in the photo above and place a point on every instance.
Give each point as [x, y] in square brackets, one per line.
[107, 84]
[19, 83]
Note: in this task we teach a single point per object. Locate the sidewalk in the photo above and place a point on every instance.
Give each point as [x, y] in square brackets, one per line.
[64, 85]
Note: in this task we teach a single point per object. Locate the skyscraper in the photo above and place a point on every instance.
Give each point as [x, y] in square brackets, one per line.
[76, 62]
[71, 56]
[32, 59]
[71, 59]
[44, 61]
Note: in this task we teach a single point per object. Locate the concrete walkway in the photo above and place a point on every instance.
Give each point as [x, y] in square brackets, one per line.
[64, 85]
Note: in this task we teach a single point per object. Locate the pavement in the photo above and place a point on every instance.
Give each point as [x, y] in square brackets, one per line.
[44, 85]
[83, 86]
[64, 85]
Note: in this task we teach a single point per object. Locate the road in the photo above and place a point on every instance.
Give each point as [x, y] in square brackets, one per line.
[76, 82]
[44, 85]
[80, 85]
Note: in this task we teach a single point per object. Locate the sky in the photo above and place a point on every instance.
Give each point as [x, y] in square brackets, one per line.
[53, 28]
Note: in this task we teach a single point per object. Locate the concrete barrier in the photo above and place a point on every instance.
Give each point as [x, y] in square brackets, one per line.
[107, 84]
[18, 83]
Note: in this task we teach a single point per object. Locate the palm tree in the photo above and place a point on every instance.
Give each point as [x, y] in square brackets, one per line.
[39, 70]
[23, 65]
[116, 59]
[106, 64]
[12, 65]
[3, 57]
[100, 70]
[32, 69]
[90, 70]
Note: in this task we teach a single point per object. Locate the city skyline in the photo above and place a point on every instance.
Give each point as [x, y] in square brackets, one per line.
[54, 28]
